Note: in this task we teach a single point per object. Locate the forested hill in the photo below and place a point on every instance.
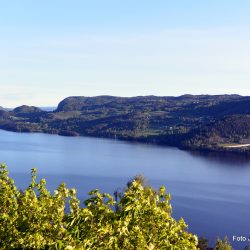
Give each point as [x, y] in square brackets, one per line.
[214, 122]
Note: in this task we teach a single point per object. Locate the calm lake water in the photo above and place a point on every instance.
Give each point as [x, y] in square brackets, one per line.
[211, 192]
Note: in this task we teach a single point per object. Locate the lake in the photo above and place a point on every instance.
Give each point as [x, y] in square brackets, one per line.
[210, 191]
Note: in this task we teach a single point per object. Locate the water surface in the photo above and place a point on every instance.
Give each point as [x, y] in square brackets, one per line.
[211, 191]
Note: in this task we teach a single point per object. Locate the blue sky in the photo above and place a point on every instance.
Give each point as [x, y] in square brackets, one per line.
[53, 49]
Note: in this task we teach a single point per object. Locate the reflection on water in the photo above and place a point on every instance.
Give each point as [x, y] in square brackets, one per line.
[224, 158]
[211, 191]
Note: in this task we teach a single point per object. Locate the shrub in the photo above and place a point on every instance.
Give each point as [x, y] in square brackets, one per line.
[37, 219]
[223, 244]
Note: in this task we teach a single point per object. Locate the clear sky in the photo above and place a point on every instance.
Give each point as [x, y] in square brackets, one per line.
[51, 49]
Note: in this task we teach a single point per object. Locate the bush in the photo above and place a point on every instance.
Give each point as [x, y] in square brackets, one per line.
[223, 244]
[36, 219]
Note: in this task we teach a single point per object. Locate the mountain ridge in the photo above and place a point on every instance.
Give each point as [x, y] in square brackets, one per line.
[187, 121]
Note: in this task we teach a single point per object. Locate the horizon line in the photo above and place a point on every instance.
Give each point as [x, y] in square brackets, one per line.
[118, 96]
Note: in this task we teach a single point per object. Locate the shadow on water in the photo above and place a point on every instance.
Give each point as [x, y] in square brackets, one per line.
[223, 158]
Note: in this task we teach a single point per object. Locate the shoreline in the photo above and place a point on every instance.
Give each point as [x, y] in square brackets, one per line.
[232, 150]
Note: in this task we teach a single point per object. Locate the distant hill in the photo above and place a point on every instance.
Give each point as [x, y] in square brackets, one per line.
[78, 103]
[5, 109]
[231, 130]
[26, 109]
[189, 121]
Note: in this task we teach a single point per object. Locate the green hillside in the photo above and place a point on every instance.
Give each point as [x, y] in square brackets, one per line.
[188, 121]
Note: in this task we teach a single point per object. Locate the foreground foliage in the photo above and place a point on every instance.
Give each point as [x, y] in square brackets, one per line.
[138, 218]
[219, 244]
[223, 244]
[36, 219]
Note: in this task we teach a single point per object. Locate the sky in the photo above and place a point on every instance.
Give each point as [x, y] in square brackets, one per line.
[53, 49]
